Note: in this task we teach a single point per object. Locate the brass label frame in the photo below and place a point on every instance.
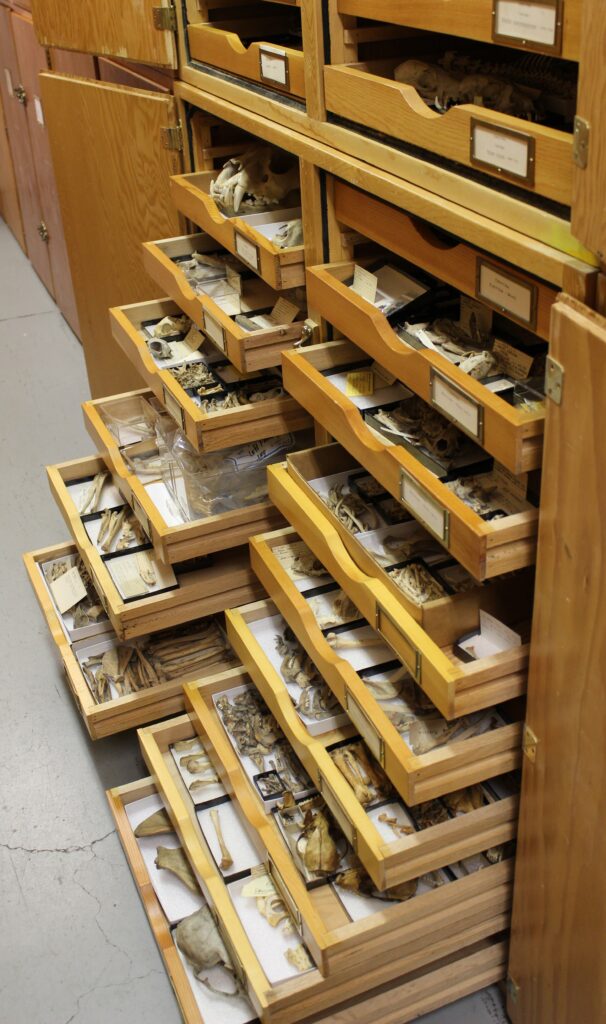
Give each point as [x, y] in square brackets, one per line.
[415, 663]
[553, 49]
[437, 376]
[240, 236]
[285, 893]
[268, 51]
[368, 731]
[339, 814]
[443, 534]
[503, 172]
[483, 263]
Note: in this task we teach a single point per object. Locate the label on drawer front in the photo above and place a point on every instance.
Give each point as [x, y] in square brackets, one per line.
[140, 515]
[214, 330]
[455, 403]
[39, 111]
[365, 727]
[508, 152]
[527, 22]
[337, 812]
[173, 408]
[247, 250]
[274, 65]
[507, 293]
[424, 507]
[9, 81]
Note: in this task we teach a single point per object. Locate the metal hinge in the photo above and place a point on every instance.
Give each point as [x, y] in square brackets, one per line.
[309, 333]
[20, 94]
[172, 137]
[43, 231]
[554, 380]
[580, 142]
[513, 989]
[530, 742]
[165, 18]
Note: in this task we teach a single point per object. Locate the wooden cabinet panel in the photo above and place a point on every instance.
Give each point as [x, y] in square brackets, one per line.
[18, 133]
[9, 197]
[67, 63]
[119, 28]
[559, 927]
[135, 77]
[112, 175]
[32, 60]
[588, 197]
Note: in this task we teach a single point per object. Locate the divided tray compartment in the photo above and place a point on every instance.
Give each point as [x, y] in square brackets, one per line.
[484, 548]
[342, 948]
[206, 431]
[247, 350]
[457, 973]
[248, 236]
[388, 863]
[115, 715]
[512, 436]
[424, 643]
[174, 540]
[449, 766]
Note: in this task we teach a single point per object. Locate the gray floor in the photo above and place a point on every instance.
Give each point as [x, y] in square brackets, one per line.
[75, 944]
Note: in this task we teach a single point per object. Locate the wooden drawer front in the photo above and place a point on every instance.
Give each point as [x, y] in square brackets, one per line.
[416, 777]
[225, 580]
[484, 548]
[291, 491]
[388, 863]
[206, 431]
[426, 988]
[280, 268]
[472, 19]
[119, 714]
[539, 158]
[247, 350]
[409, 929]
[278, 67]
[513, 437]
[173, 544]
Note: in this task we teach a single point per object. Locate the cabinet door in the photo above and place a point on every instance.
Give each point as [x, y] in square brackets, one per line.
[557, 966]
[115, 28]
[21, 150]
[112, 173]
[32, 60]
[588, 193]
[9, 198]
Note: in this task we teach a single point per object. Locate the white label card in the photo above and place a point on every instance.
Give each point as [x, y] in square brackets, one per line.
[284, 312]
[215, 331]
[173, 408]
[367, 730]
[493, 638]
[337, 812]
[425, 508]
[68, 589]
[526, 21]
[274, 65]
[140, 515]
[9, 81]
[506, 293]
[454, 403]
[193, 339]
[247, 250]
[365, 284]
[508, 152]
[38, 109]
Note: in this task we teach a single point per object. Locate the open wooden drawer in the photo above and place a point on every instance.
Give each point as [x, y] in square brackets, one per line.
[378, 553]
[486, 548]
[207, 431]
[334, 942]
[456, 974]
[247, 350]
[490, 740]
[249, 236]
[243, 47]
[387, 862]
[118, 713]
[556, 30]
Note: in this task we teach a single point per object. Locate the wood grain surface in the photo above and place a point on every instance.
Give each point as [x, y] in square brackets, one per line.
[559, 925]
[588, 195]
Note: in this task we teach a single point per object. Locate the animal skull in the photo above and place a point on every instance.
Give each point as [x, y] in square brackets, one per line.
[256, 180]
[289, 234]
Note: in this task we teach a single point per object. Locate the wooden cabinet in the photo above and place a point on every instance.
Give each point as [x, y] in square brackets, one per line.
[10, 208]
[98, 134]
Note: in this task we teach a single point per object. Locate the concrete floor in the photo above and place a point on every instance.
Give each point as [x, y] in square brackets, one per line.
[74, 944]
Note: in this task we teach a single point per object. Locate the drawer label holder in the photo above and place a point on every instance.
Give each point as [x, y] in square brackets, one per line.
[510, 153]
[508, 293]
[273, 66]
[285, 893]
[430, 513]
[456, 404]
[531, 24]
[233, 954]
[369, 733]
[340, 816]
[247, 251]
[215, 331]
[411, 655]
[172, 407]
[140, 515]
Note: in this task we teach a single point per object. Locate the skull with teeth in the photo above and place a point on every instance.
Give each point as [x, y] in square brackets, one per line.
[257, 180]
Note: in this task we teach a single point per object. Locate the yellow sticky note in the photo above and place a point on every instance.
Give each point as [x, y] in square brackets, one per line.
[359, 383]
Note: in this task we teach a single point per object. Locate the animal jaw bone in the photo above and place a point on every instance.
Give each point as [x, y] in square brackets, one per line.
[367, 780]
[342, 610]
[442, 90]
[198, 938]
[289, 234]
[341, 642]
[157, 824]
[173, 859]
[226, 857]
[423, 427]
[91, 496]
[316, 846]
[254, 180]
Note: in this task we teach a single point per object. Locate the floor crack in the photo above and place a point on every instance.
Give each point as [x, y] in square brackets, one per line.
[57, 849]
